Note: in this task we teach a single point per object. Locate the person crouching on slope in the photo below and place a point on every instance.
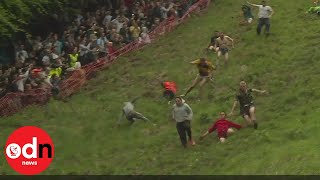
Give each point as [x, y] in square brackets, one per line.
[223, 127]
[170, 90]
[182, 114]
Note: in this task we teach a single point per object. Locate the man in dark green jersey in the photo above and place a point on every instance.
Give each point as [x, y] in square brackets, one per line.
[245, 99]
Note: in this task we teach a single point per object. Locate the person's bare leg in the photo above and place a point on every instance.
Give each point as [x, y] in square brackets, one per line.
[194, 83]
[222, 140]
[253, 117]
[218, 58]
[226, 59]
[202, 83]
[248, 119]
[230, 131]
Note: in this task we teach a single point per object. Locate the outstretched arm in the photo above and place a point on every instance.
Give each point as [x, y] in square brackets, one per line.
[230, 39]
[260, 91]
[204, 135]
[233, 106]
[195, 61]
[210, 130]
[256, 5]
[134, 100]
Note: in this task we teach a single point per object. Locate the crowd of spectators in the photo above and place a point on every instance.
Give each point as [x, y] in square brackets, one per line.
[44, 62]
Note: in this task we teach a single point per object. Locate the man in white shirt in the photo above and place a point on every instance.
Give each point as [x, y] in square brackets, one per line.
[265, 13]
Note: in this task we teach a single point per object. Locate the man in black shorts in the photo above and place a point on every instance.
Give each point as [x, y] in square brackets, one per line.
[245, 99]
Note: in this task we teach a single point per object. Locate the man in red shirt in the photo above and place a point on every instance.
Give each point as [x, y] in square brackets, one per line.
[223, 127]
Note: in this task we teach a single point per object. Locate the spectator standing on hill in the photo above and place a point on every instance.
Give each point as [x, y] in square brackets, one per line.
[182, 114]
[245, 99]
[223, 127]
[265, 13]
[206, 69]
[222, 44]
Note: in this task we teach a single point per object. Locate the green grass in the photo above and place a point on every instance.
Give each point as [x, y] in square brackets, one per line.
[286, 64]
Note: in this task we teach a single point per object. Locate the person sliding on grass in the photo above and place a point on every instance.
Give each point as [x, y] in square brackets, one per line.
[245, 99]
[182, 114]
[130, 114]
[223, 127]
[206, 69]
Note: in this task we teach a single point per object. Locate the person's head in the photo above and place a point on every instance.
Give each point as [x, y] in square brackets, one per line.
[202, 61]
[223, 115]
[221, 35]
[75, 49]
[179, 101]
[243, 85]
[264, 3]
[216, 33]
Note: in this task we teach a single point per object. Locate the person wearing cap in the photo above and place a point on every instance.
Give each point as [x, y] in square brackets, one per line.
[245, 99]
[222, 42]
[265, 13]
[205, 68]
[223, 127]
[182, 114]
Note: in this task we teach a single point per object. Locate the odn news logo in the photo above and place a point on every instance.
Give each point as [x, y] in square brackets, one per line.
[29, 150]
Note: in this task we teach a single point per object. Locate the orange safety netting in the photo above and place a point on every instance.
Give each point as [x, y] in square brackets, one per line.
[12, 103]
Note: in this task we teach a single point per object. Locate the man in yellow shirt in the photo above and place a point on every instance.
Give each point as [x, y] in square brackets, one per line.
[205, 68]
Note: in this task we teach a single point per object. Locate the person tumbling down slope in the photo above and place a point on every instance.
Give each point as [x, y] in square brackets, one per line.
[130, 114]
[223, 127]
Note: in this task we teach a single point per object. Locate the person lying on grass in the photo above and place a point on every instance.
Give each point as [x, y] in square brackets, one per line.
[223, 127]
[130, 114]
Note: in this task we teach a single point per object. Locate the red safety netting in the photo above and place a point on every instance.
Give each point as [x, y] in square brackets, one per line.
[11, 103]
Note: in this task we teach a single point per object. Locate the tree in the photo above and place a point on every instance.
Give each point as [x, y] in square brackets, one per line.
[16, 14]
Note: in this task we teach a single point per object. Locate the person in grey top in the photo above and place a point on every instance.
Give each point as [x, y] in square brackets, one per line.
[265, 13]
[182, 114]
[130, 114]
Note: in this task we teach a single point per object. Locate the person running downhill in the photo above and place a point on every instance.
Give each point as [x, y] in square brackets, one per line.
[130, 114]
[223, 127]
[222, 43]
[265, 13]
[206, 69]
[245, 99]
[182, 114]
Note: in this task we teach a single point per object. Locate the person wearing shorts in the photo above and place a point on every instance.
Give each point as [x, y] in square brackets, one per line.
[245, 99]
[205, 69]
[222, 42]
[223, 127]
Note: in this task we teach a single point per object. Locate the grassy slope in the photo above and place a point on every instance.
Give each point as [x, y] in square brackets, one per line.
[286, 64]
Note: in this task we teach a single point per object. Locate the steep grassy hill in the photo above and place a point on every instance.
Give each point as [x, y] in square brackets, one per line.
[286, 64]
